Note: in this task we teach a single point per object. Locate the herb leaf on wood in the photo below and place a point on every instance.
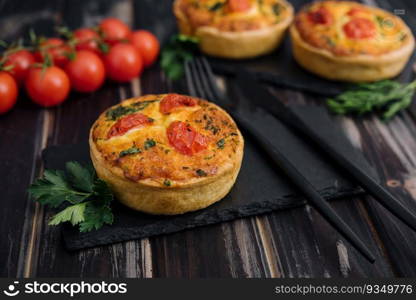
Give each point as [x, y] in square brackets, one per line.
[386, 97]
[87, 197]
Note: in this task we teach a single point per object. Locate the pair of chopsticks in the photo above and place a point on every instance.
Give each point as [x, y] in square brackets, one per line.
[261, 96]
[201, 83]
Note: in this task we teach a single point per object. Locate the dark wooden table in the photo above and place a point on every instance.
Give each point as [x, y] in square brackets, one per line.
[292, 243]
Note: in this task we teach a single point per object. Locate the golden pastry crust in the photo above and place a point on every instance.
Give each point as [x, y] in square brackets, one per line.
[149, 172]
[338, 50]
[235, 35]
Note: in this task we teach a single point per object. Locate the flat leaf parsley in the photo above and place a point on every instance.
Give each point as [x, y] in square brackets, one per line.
[89, 197]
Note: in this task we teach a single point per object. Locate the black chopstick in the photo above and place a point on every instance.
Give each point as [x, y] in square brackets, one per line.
[292, 121]
[307, 189]
[202, 71]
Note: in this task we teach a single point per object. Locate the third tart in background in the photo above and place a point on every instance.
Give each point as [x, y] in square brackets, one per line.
[348, 41]
[167, 154]
[234, 29]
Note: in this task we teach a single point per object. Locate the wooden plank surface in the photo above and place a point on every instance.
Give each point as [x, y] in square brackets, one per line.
[292, 243]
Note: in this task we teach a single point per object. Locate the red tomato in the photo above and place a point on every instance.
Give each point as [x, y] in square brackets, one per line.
[173, 101]
[360, 28]
[147, 44]
[185, 139]
[8, 92]
[238, 5]
[114, 30]
[129, 122]
[21, 62]
[123, 63]
[56, 49]
[47, 87]
[320, 16]
[86, 72]
[86, 39]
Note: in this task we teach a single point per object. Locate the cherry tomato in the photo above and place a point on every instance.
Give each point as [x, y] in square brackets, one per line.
[114, 30]
[47, 87]
[320, 16]
[185, 139]
[147, 44]
[21, 61]
[238, 5]
[129, 122]
[86, 71]
[123, 63]
[360, 28]
[56, 49]
[173, 101]
[8, 92]
[87, 39]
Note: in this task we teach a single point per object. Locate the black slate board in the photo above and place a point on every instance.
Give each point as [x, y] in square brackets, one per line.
[260, 187]
[280, 69]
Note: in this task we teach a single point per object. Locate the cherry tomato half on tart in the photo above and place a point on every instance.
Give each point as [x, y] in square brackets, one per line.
[238, 5]
[320, 16]
[356, 11]
[129, 122]
[186, 139]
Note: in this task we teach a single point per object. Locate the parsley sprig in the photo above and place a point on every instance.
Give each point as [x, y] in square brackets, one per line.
[180, 48]
[386, 97]
[89, 197]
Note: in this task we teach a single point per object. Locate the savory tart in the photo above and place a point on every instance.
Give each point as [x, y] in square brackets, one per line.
[234, 28]
[348, 41]
[167, 154]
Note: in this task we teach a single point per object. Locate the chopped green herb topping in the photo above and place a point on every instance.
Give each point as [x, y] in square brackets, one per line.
[384, 22]
[330, 42]
[130, 151]
[221, 144]
[212, 128]
[167, 182]
[149, 143]
[201, 173]
[402, 36]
